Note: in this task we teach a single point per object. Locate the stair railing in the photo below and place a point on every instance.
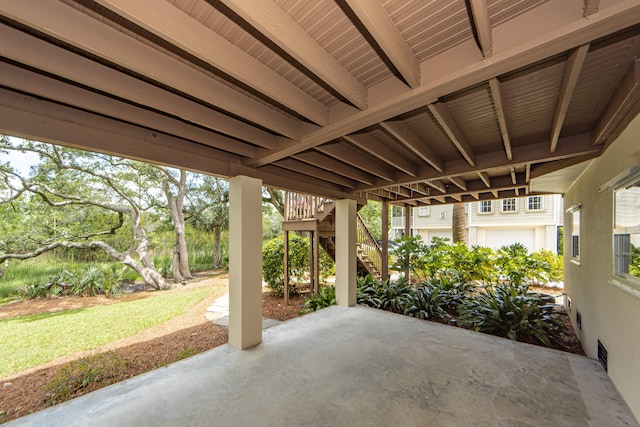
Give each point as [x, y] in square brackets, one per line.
[368, 245]
[301, 206]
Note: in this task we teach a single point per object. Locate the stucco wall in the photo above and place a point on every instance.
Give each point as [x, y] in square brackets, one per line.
[609, 313]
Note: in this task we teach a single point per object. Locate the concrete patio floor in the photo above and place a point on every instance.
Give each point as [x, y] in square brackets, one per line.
[359, 367]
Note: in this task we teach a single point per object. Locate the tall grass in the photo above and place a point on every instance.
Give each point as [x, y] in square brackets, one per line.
[38, 271]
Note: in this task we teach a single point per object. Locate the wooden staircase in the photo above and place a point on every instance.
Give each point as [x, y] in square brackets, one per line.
[317, 215]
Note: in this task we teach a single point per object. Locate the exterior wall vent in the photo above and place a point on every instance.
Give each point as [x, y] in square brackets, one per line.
[602, 356]
[579, 319]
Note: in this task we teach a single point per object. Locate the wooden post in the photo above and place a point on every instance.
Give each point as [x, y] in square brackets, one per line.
[286, 267]
[312, 265]
[316, 257]
[385, 240]
[407, 232]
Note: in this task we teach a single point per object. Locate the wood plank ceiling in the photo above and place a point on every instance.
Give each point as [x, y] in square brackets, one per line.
[415, 102]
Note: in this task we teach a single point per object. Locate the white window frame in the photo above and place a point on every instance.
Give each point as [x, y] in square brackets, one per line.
[424, 211]
[515, 205]
[576, 224]
[480, 206]
[622, 279]
[540, 207]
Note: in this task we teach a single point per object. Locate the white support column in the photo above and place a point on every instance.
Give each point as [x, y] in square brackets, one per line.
[346, 252]
[245, 261]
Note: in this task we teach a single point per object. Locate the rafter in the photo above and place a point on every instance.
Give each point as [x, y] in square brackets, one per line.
[441, 199]
[626, 97]
[496, 95]
[401, 133]
[456, 197]
[33, 118]
[448, 124]
[471, 72]
[495, 193]
[482, 25]
[591, 7]
[572, 70]
[378, 23]
[176, 27]
[316, 172]
[336, 166]
[28, 81]
[485, 178]
[383, 152]
[277, 26]
[78, 29]
[572, 146]
[459, 182]
[512, 172]
[352, 156]
[438, 185]
[527, 173]
[58, 61]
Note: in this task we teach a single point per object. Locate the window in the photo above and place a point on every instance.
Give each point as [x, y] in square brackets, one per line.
[423, 211]
[485, 206]
[574, 211]
[509, 205]
[626, 232]
[534, 203]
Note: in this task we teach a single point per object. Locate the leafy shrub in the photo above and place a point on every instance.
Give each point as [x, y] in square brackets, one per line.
[512, 312]
[325, 298]
[273, 263]
[518, 266]
[101, 369]
[367, 291]
[555, 263]
[451, 287]
[33, 291]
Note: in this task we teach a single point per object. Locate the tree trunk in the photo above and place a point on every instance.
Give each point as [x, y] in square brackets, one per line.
[459, 224]
[180, 262]
[217, 254]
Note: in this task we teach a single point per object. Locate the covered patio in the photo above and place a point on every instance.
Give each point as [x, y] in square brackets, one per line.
[359, 367]
[411, 103]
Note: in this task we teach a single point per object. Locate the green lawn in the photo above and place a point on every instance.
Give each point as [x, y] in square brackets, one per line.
[29, 341]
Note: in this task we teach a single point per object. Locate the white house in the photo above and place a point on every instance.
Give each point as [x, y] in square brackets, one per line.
[532, 221]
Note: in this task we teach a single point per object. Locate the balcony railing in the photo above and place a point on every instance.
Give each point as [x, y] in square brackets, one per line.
[301, 206]
[368, 247]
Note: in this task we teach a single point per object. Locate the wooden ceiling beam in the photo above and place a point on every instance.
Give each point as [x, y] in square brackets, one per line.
[29, 82]
[378, 23]
[329, 163]
[459, 182]
[485, 178]
[591, 7]
[438, 185]
[74, 68]
[482, 25]
[448, 124]
[383, 152]
[496, 95]
[473, 71]
[176, 27]
[37, 119]
[78, 29]
[573, 146]
[316, 172]
[353, 157]
[625, 98]
[401, 133]
[570, 77]
[527, 173]
[272, 22]
[512, 172]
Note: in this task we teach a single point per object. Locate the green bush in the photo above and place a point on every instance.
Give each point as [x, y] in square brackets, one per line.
[512, 312]
[325, 298]
[273, 263]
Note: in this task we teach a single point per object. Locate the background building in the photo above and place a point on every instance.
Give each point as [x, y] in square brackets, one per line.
[532, 221]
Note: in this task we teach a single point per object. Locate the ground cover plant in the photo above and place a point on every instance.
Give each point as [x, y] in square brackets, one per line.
[32, 340]
[477, 288]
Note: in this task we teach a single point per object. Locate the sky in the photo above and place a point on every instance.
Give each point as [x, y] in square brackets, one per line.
[22, 162]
